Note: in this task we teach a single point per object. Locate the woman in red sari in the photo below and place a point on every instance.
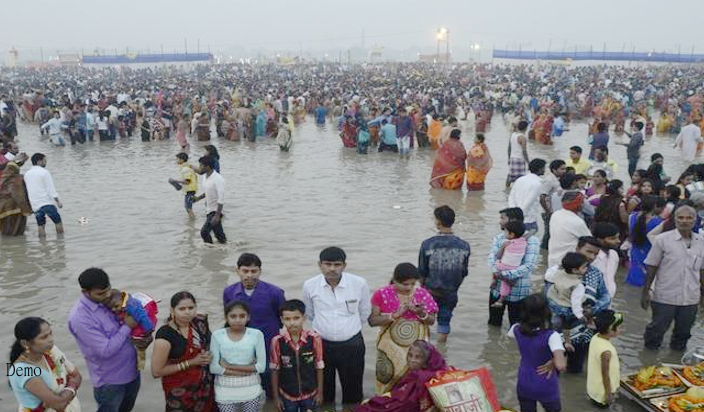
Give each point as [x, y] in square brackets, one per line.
[410, 393]
[349, 133]
[449, 167]
[479, 162]
[181, 358]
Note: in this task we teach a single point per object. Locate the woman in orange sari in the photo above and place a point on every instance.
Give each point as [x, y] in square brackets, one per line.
[449, 167]
[434, 129]
[479, 162]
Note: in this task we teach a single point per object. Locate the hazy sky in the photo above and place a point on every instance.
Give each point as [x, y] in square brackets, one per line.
[319, 25]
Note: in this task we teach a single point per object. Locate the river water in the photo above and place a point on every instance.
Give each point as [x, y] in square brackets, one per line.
[285, 207]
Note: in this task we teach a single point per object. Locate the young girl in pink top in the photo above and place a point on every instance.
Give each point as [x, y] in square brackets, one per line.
[510, 256]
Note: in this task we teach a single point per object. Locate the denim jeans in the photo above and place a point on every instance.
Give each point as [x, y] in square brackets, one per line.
[447, 301]
[117, 398]
[298, 406]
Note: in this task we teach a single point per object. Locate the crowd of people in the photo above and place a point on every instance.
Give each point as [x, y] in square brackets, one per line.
[592, 225]
[264, 350]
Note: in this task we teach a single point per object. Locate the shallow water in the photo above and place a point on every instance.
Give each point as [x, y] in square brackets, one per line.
[285, 207]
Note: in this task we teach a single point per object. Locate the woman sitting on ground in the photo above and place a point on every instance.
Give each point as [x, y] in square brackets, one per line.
[410, 394]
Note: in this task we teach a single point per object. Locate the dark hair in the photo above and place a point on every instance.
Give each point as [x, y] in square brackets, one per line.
[332, 254]
[37, 157]
[535, 314]
[602, 127]
[673, 193]
[516, 227]
[236, 304]
[645, 180]
[555, 164]
[212, 151]
[601, 230]
[639, 126]
[292, 306]
[573, 261]
[26, 329]
[567, 180]
[682, 176]
[208, 161]
[600, 172]
[179, 296]
[522, 126]
[455, 133]
[613, 187]
[602, 148]
[535, 165]
[480, 137]
[587, 240]
[249, 259]
[576, 149]
[603, 321]
[93, 278]
[648, 205]
[445, 215]
[655, 156]
[513, 213]
[182, 156]
[405, 271]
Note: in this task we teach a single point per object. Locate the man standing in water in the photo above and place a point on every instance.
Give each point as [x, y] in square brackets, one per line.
[517, 153]
[105, 344]
[520, 276]
[214, 195]
[689, 138]
[337, 305]
[443, 264]
[674, 269]
[525, 193]
[42, 194]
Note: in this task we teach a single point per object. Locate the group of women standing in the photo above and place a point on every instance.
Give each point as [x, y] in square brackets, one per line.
[454, 164]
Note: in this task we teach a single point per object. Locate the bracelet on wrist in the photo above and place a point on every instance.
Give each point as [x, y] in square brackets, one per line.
[73, 391]
[424, 317]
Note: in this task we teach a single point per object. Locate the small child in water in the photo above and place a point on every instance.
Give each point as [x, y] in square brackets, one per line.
[603, 365]
[142, 308]
[566, 294]
[510, 257]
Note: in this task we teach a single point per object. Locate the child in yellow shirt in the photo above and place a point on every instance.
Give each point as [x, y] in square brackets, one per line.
[188, 183]
[603, 365]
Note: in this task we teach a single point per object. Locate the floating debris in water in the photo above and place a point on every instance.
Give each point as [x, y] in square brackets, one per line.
[83, 220]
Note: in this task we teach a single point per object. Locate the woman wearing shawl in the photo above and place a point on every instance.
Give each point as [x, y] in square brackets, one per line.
[449, 167]
[261, 123]
[434, 129]
[363, 135]
[349, 133]
[14, 204]
[284, 136]
[404, 310]
[479, 162]
[410, 394]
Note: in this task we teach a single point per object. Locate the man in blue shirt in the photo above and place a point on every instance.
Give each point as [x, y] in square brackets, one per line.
[264, 299]
[442, 263]
[320, 113]
[388, 137]
[520, 276]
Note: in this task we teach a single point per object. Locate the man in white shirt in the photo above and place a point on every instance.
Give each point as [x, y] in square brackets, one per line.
[525, 194]
[214, 195]
[566, 227]
[551, 184]
[42, 194]
[55, 126]
[337, 305]
[690, 136]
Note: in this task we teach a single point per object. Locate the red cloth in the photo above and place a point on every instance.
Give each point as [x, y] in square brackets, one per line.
[410, 393]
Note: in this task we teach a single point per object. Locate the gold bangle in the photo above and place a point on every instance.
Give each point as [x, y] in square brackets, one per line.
[188, 365]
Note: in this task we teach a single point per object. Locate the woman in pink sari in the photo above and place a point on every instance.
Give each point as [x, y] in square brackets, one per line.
[449, 167]
[479, 162]
[410, 394]
[404, 311]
